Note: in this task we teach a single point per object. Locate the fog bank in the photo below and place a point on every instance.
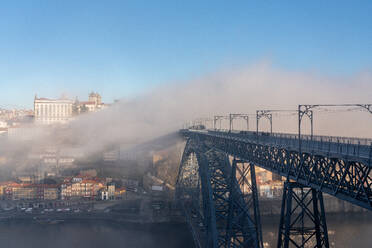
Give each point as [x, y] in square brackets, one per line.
[240, 90]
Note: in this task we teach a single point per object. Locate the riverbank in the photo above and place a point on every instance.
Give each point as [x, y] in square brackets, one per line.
[332, 205]
[137, 218]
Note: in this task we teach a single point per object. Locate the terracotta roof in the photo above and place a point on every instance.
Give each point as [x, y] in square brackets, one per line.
[90, 181]
[48, 185]
[43, 98]
[7, 183]
[48, 99]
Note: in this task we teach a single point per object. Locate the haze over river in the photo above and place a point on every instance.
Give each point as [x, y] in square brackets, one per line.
[345, 231]
[93, 234]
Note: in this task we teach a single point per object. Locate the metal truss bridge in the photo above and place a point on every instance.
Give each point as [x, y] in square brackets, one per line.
[216, 184]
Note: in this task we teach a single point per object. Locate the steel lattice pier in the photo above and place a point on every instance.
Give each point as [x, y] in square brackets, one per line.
[216, 185]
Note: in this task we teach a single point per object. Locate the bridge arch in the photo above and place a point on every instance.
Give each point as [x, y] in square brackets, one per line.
[209, 192]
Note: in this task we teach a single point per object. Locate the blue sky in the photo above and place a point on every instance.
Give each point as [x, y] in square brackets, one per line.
[120, 48]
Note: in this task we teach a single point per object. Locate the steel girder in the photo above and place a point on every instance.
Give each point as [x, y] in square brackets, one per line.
[302, 222]
[209, 189]
[339, 176]
[244, 179]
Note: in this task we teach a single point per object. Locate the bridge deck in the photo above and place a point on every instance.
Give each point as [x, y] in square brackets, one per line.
[335, 165]
[356, 149]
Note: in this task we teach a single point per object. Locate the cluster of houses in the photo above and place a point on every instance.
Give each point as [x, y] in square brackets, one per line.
[71, 188]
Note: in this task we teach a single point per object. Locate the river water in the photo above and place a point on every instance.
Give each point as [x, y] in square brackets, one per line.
[345, 231]
[93, 234]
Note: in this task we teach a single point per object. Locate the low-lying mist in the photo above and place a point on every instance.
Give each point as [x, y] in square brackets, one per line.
[167, 107]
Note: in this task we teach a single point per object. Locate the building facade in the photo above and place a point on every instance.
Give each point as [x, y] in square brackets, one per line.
[22, 191]
[94, 104]
[25, 192]
[52, 111]
[95, 98]
[50, 192]
[80, 188]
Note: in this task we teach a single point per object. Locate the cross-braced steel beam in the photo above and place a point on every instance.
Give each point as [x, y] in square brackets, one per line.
[245, 176]
[209, 188]
[343, 176]
[223, 195]
[302, 221]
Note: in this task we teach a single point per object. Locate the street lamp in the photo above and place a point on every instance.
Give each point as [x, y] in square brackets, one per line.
[307, 110]
[218, 118]
[237, 116]
[268, 114]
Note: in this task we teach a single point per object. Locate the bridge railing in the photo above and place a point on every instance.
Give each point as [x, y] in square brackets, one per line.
[344, 146]
[321, 138]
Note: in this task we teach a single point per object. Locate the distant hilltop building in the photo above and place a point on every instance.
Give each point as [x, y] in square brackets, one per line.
[92, 105]
[96, 98]
[51, 111]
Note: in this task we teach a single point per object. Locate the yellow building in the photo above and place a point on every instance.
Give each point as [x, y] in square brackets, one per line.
[111, 191]
[50, 193]
[119, 193]
[22, 192]
[2, 190]
[80, 188]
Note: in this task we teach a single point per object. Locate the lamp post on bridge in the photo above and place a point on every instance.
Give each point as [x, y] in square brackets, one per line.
[218, 118]
[268, 113]
[236, 116]
[307, 110]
